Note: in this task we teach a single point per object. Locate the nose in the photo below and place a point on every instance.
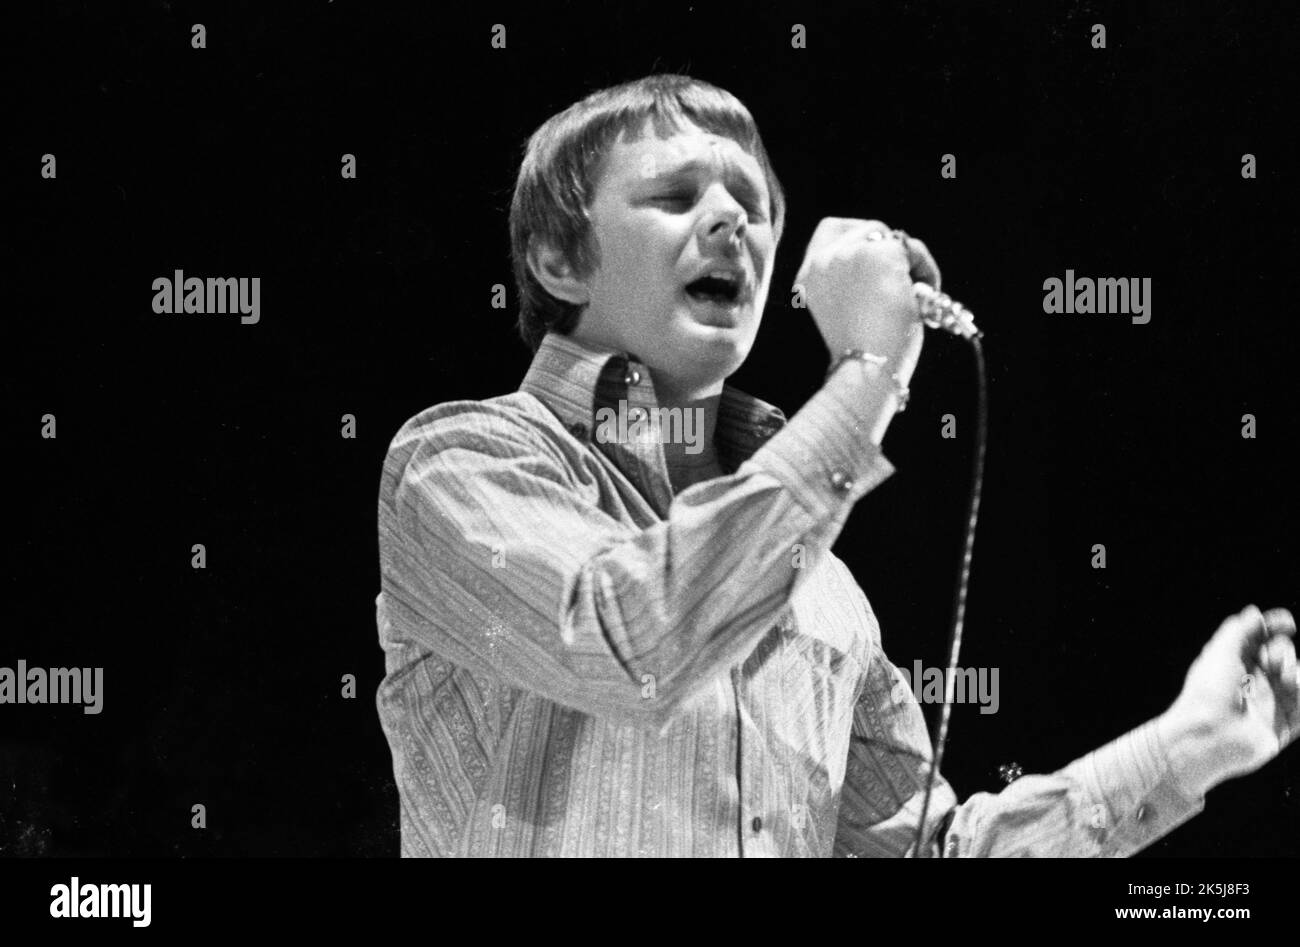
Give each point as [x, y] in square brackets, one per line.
[725, 222]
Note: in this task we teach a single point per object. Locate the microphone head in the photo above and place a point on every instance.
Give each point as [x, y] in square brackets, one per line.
[940, 311]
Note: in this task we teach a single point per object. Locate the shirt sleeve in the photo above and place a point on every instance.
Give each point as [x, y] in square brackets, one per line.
[496, 553]
[1112, 802]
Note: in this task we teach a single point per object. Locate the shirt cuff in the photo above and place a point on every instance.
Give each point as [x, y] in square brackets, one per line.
[824, 454]
[1135, 796]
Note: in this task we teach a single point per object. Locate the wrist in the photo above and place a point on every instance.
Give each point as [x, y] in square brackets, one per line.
[894, 350]
[1193, 751]
[878, 367]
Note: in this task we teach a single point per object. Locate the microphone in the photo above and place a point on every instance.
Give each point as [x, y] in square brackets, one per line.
[941, 311]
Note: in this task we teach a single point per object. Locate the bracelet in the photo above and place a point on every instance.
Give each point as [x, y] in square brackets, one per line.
[901, 391]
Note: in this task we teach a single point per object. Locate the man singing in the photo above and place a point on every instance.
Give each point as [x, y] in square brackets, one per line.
[617, 645]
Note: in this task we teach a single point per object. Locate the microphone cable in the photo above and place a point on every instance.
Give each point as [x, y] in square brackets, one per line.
[940, 311]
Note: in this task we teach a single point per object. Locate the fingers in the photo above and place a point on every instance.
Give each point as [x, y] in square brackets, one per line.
[1243, 634]
[841, 231]
[1280, 622]
[1274, 655]
[1265, 641]
[924, 269]
[1270, 638]
[833, 232]
[1240, 634]
[1279, 662]
[1287, 686]
[850, 234]
[834, 229]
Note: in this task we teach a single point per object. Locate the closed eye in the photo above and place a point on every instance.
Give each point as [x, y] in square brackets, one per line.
[686, 199]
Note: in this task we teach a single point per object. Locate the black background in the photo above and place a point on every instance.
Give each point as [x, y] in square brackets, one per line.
[222, 686]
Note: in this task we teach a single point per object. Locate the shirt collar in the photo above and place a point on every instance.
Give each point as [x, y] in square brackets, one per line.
[573, 379]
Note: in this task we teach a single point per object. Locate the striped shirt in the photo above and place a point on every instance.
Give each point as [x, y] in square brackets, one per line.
[581, 663]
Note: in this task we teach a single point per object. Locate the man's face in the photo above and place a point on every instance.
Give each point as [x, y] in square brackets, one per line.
[667, 212]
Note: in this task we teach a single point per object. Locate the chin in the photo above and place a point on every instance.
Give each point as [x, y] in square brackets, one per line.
[690, 348]
[718, 351]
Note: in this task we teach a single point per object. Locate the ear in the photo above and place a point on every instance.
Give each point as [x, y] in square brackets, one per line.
[552, 270]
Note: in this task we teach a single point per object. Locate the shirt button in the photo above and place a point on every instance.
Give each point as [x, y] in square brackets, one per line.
[578, 430]
[757, 824]
[841, 481]
[633, 377]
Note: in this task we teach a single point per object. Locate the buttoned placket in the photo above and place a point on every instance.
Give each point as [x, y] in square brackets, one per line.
[755, 822]
[650, 471]
[749, 794]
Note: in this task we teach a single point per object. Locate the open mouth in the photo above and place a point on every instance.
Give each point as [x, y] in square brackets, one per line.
[723, 289]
